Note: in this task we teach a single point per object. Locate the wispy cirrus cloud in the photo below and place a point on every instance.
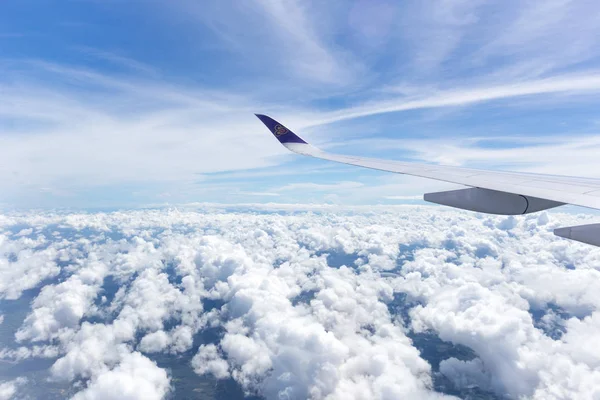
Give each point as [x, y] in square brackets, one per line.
[561, 85]
[118, 60]
[554, 35]
[283, 36]
[103, 120]
[305, 51]
[87, 129]
[114, 130]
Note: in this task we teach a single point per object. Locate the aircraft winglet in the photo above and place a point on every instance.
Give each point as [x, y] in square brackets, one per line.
[283, 134]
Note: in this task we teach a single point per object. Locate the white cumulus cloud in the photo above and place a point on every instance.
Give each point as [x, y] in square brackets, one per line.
[330, 303]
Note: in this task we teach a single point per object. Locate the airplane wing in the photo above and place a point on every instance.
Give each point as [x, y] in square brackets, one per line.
[492, 192]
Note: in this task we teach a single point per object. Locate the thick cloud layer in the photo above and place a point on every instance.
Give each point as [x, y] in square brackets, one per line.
[412, 302]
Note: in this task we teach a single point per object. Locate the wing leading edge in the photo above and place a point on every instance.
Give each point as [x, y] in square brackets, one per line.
[492, 192]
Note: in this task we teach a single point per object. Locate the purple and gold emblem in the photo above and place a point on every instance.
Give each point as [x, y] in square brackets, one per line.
[280, 130]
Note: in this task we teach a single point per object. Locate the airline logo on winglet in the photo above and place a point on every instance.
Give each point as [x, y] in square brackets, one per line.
[280, 130]
[283, 134]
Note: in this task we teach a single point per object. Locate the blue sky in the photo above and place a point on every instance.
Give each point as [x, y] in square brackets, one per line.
[128, 104]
